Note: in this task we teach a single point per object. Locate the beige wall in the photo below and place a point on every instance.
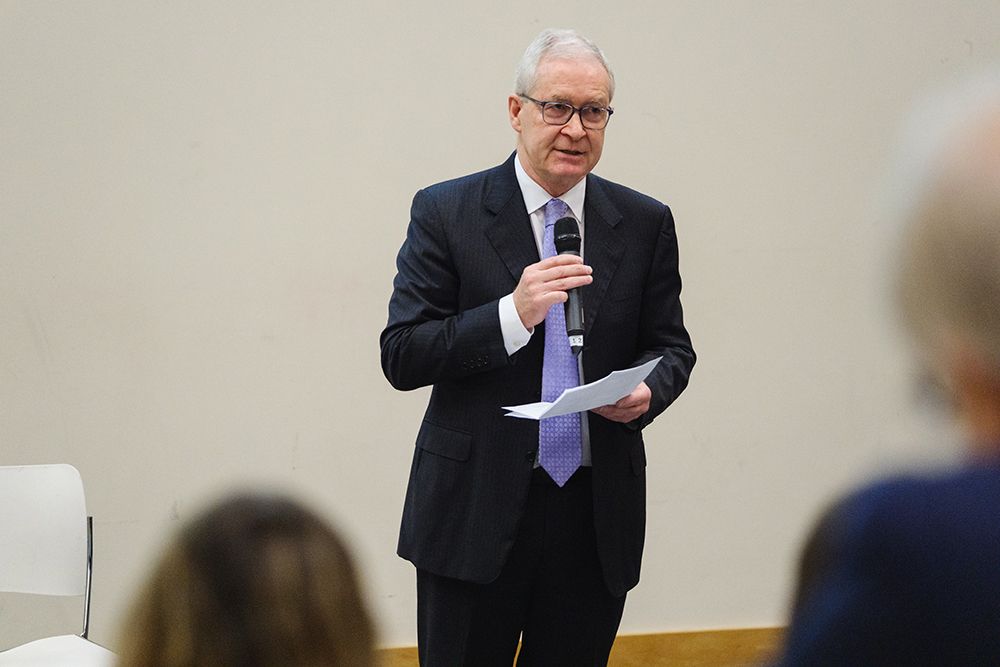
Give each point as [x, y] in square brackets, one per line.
[200, 204]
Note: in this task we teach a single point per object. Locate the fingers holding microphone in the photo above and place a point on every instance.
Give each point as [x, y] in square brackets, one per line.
[546, 283]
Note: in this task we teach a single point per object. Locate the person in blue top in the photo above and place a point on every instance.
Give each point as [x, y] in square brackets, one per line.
[906, 570]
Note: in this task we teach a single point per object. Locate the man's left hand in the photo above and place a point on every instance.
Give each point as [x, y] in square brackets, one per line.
[626, 409]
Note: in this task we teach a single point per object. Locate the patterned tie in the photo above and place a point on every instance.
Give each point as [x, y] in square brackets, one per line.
[559, 439]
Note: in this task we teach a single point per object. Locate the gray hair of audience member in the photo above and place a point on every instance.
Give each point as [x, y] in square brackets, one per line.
[256, 579]
[557, 43]
[949, 271]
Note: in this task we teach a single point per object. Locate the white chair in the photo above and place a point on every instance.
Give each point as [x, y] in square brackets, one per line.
[46, 549]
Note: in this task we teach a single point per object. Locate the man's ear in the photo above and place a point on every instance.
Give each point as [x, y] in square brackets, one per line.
[514, 106]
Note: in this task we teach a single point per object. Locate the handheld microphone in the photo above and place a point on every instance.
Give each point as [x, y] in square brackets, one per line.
[567, 241]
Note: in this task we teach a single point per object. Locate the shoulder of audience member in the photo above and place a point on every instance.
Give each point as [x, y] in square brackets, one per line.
[918, 504]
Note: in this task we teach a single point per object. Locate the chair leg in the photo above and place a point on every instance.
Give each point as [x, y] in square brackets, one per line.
[90, 568]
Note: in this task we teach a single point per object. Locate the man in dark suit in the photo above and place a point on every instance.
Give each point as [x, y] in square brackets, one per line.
[518, 528]
[906, 571]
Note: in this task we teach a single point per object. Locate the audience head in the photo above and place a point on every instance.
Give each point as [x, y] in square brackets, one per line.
[949, 278]
[255, 580]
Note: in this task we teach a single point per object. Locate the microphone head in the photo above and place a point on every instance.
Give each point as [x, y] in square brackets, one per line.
[567, 236]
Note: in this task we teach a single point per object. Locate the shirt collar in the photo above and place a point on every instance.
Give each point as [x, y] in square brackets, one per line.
[536, 197]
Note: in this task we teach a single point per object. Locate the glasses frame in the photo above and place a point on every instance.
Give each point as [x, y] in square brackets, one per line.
[575, 110]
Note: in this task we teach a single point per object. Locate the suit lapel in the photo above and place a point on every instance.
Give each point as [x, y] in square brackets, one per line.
[510, 231]
[603, 247]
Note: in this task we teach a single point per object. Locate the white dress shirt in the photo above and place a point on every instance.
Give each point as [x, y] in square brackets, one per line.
[515, 335]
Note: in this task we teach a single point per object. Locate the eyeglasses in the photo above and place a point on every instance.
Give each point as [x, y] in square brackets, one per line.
[560, 113]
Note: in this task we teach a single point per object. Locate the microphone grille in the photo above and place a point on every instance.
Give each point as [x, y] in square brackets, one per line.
[566, 235]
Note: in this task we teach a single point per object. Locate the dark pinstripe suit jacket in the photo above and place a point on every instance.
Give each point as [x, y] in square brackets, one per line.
[468, 241]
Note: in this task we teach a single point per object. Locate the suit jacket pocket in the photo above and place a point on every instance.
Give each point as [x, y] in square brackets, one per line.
[443, 441]
[631, 295]
[623, 304]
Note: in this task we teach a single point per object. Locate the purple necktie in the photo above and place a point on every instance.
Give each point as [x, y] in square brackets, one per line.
[559, 439]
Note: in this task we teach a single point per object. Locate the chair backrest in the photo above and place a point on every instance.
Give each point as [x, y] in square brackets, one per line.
[43, 530]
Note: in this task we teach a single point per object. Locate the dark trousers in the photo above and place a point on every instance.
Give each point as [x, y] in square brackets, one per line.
[550, 594]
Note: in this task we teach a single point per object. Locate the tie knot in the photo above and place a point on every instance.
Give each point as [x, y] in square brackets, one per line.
[555, 209]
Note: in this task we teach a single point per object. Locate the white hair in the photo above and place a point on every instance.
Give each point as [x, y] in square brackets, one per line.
[931, 128]
[557, 43]
[949, 271]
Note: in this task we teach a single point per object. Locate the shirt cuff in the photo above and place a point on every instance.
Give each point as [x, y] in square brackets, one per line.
[515, 336]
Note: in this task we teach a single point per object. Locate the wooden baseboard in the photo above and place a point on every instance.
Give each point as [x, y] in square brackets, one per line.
[706, 648]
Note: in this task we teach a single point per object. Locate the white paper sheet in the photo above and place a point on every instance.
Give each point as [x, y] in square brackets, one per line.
[605, 391]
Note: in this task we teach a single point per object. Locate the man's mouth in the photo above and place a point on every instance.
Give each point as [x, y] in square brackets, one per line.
[569, 152]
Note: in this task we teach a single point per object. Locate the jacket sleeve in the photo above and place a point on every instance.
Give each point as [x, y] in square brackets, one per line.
[429, 337]
[662, 332]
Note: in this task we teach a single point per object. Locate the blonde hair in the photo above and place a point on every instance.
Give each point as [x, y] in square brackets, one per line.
[255, 580]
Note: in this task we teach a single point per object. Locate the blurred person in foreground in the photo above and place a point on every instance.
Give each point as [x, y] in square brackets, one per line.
[254, 580]
[906, 571]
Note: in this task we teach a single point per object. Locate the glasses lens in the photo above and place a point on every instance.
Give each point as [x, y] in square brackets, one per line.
[594, 117]
[556, 113]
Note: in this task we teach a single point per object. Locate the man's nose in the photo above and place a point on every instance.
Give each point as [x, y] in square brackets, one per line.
[574, 127]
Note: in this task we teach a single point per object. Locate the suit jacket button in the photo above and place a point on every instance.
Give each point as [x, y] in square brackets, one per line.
[529, 456]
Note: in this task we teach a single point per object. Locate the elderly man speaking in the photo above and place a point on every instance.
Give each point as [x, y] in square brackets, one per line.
[520, 529]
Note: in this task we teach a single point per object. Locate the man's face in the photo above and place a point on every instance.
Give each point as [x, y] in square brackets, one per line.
[558, 156]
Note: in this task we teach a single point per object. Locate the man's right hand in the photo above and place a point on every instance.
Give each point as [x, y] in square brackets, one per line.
[545, 283]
